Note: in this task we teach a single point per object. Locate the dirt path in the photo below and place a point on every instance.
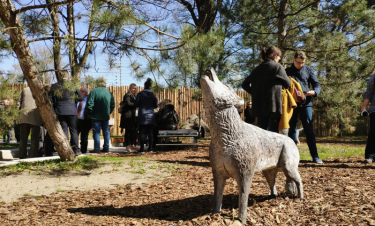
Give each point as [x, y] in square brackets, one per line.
[29, 183]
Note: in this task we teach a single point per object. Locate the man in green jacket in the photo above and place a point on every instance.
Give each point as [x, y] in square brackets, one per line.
[100, 104]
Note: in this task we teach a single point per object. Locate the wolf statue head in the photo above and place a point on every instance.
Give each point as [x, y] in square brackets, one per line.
[216, 95]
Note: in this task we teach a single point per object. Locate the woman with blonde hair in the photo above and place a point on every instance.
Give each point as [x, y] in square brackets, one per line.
[128, 118]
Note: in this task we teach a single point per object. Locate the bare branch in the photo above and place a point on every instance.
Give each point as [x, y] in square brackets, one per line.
[24, 9]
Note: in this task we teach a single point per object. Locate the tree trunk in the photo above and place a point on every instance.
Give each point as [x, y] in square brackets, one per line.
[56, 42]
[71, 43]
[21, 48]
[281, 30]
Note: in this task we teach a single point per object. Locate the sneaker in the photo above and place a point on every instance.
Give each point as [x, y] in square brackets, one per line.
[317, 160]
[95, 151]
[78, 153]
[104, 150]
[128, 148]
[369, 160]
[141, 152]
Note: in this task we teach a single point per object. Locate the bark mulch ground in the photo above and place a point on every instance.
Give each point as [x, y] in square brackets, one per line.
[340, 192]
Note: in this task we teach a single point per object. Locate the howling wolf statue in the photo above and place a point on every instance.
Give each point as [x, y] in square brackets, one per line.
[239, 149]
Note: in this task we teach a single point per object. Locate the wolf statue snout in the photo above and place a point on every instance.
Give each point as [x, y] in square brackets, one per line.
[239, 149]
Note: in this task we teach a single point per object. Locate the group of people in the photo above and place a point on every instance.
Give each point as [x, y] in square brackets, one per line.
[266, 83]
[77, 112]
[142, 112]
[142, 116]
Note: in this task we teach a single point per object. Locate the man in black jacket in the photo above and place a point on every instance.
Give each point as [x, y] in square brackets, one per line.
[64, 103]
[306, 78]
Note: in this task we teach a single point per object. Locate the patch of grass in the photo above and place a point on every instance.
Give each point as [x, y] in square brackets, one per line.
[5, 146]
[111, 158]
[26, 194]
[140, 171]
[2, 202]
[38, 198]
[59, 190]
[331, 151]
[15, 203]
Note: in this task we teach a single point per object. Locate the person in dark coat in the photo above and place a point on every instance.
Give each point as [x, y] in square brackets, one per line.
[146, 101]
[64, 102]
[265, 84]
[306, 78]
[369, 98]
[128, 119]
[249, 118]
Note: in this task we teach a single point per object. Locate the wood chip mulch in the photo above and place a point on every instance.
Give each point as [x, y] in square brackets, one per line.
[339, 192]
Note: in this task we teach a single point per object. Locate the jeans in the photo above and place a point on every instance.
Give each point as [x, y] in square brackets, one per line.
[305, 114]
[146, 130]
[96, 125]
[370, 146]
[270, 124]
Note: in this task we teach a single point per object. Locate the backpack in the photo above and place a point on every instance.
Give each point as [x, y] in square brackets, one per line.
[121, 108]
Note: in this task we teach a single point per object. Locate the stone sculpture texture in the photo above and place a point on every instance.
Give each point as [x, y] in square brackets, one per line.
[192, 122]
[239, 149]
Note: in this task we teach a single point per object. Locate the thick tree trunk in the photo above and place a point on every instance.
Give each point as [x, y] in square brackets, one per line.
[21, 48]
[55, 33]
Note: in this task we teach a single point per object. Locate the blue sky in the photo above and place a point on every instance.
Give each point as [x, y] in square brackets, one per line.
[100, 67]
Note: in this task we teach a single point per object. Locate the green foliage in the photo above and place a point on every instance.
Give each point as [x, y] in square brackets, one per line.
[35, 25]
[9, 113]
[338, 38]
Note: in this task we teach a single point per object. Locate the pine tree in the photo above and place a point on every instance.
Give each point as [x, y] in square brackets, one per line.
[338, 38]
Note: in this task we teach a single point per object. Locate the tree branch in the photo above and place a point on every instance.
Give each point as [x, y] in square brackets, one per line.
[112, 41]
[190, 8]
[24, 9]
[307, 6]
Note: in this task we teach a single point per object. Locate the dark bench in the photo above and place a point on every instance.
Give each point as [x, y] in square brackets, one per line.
[193, 134]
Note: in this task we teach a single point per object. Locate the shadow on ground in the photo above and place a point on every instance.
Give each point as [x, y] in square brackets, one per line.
[192, 163]
[185, 209]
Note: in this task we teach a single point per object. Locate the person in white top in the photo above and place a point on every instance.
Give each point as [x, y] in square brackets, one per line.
[84, 123]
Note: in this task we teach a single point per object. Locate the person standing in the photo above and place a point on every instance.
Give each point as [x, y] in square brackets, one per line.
[248, 114]
[368, 97]
[64, 103]
[306, 78]
[128, 119]
[100, 104]
[84, 122]
[265, 84]
[146, 101]
[29, 119]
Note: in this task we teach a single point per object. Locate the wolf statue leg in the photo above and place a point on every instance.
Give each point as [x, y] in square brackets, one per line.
[244, 184]
[270, 176]
[219, 183]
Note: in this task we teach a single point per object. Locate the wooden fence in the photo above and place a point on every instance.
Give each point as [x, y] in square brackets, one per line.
[185, 106]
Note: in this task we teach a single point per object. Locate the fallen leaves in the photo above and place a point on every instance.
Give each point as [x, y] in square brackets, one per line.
[338, 192]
